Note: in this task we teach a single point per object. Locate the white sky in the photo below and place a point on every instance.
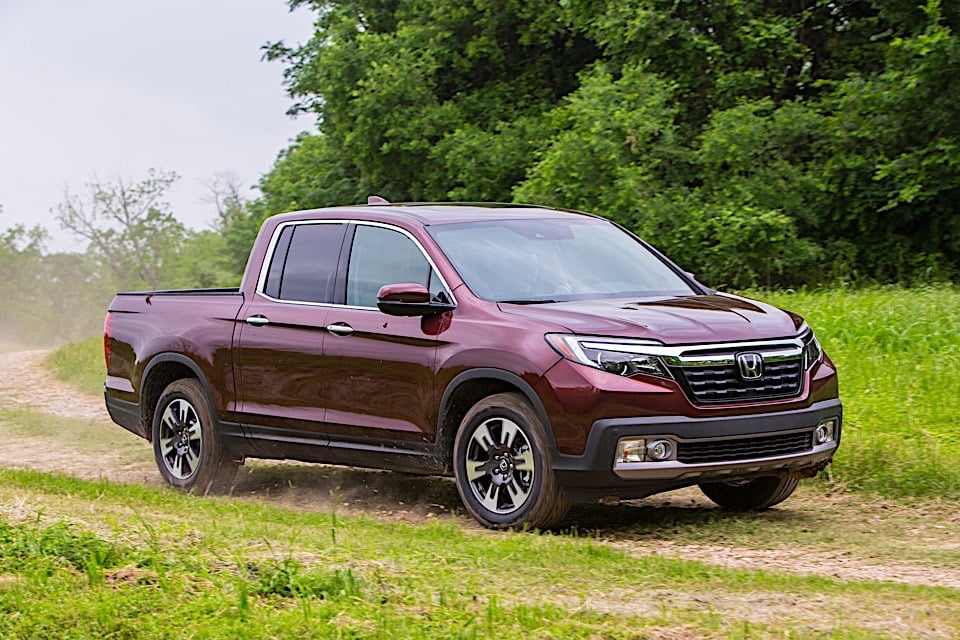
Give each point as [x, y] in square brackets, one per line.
[111, 88]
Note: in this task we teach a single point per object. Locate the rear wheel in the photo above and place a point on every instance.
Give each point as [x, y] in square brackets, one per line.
[187, 448]
[746, 495]
[503, 475]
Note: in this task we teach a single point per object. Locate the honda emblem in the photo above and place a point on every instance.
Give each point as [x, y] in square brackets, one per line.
[750, 365]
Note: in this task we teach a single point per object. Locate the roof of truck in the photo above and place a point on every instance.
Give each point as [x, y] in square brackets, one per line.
[433, 213]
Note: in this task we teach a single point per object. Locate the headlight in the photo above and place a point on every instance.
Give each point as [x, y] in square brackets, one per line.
[812, 353]
[622, 357]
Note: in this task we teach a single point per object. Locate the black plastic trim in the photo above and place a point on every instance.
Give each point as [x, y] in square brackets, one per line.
[221, 291]
[503, 376]
[232, 430]
[124, 413]
[275, 443]
[593, 470]
[162, 358]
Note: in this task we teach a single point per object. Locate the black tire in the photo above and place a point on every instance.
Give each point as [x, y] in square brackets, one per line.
[509, 483]
[750, 495]
[186, 445]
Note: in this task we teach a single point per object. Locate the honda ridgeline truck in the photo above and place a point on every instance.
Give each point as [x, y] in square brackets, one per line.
[541, 357]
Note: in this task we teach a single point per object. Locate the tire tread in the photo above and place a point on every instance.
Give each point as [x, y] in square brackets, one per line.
[218, 467]
[551, 506]
[757, 495]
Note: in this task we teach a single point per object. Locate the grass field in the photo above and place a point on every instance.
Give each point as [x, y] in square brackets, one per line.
[81, 364]
[898, 353]
[137, 561]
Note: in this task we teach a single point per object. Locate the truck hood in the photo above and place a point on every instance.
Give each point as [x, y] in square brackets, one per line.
[672, 320]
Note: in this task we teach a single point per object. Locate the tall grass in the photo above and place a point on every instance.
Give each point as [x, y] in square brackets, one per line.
[898, 353]
[81, 364]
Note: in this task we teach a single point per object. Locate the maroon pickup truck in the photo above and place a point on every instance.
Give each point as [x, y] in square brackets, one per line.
[539, 356]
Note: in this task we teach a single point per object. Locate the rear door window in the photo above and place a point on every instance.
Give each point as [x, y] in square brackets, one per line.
[304, 263]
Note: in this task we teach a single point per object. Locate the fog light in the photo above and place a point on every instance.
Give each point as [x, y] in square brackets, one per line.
[660, 450]
[824, 432]
[631, 450]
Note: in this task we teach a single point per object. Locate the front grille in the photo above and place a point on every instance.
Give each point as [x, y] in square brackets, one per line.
[722, 384]
[744, 448]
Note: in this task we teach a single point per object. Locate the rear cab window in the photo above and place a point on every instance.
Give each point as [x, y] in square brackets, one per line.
[303, 267]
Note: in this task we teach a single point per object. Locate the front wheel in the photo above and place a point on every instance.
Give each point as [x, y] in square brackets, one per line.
[186, 445]
[750, 495]
[500, 465]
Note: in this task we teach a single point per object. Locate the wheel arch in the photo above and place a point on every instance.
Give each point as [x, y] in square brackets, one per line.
[162, 370]
[471, 386]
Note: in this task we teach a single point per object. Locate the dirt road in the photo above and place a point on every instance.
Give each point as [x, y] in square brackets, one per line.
[862, 536]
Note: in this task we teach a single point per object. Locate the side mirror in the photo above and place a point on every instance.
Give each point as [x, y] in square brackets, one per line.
[409, 299]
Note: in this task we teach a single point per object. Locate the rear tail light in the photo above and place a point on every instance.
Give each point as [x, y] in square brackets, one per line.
[107, 332]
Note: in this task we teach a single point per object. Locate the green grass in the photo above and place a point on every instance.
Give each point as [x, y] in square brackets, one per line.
[898, 354]
[81, 364]
[814, 521]
[138, 562]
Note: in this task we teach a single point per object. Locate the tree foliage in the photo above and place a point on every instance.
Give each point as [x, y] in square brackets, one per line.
[757, 142]
[427, 100]
[127, 223]
[20, 252]
[133, 242]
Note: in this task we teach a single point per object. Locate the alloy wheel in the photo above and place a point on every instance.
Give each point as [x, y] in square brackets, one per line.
[500, 465]
[181, 442]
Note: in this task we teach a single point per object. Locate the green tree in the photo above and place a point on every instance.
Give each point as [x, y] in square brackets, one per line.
[310, 173]
[894, 168]
[235, 227]
[73, 292]
[614, 146]
[129, 224]
[403, 90]
[758, 142]
[21, 250]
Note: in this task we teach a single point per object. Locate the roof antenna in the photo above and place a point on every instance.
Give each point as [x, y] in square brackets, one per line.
[377, 200]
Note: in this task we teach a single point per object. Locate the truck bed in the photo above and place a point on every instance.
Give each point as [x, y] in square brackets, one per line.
[195, 324]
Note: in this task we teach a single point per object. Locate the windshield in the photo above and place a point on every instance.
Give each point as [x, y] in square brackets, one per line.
[554, 259]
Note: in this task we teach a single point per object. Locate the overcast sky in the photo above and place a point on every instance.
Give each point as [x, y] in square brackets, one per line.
[111, 88]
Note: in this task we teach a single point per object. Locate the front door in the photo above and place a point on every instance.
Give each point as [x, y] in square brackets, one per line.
[379, 369]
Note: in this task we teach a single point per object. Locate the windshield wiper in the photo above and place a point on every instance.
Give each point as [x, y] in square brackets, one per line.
[528, 301]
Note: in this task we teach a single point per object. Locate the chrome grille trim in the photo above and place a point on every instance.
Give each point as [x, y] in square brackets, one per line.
[692, 352]
[709, 374]
[729, 358]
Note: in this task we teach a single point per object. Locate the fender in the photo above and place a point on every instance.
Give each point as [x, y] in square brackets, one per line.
[504, 376]
[178, 358]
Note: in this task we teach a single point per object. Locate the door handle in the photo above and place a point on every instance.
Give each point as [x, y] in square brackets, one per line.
[340, 328]
[258, 320]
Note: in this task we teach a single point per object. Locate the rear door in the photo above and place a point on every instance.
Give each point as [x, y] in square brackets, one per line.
[279, 350]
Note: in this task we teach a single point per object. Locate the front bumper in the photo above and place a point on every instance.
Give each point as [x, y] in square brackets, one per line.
[716, 471]
[597, 473]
